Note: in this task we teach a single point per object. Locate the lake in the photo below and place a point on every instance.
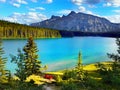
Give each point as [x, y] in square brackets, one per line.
[62, 53]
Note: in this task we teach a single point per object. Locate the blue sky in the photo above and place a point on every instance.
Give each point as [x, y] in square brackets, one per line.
[30, 11]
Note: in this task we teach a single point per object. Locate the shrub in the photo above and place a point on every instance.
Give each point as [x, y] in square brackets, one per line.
[69, 86]
[59, 80]
[70, 74]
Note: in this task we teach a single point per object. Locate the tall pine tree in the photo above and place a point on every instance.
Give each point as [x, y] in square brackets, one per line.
[32, 64]
[2, 63]
[79, 67]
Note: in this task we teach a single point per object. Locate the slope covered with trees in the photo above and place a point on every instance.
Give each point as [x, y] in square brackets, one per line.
[10, 30]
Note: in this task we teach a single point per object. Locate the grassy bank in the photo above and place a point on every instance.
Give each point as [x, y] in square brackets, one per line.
[88, 67]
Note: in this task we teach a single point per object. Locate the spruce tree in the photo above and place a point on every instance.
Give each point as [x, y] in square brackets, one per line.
[111, 73]
[2, 63]
[19, 60]
[79, 64]
[79, 67]
[32, 64]
[116, 58]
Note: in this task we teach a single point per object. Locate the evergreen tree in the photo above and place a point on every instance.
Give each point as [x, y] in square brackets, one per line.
[2, 63]
[32, 64]
[116, 58]
[79, 67]
[111, 73]
[19, 60]
[79, 64]
[14, 30]
[115, 72]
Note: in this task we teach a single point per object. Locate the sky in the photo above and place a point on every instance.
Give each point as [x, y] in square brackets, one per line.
[31, 11]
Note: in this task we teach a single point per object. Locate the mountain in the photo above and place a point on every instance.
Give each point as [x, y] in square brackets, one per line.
[79, 22]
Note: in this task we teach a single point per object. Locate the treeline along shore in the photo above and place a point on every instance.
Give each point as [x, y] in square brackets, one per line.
[10, 30]
[113, 34]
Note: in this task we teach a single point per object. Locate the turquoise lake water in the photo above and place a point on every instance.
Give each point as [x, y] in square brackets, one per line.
[62, 53]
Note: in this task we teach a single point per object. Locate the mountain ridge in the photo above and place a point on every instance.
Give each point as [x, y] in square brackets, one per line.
[79, 22]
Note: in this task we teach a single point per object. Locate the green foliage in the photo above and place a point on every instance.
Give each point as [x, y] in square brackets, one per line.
[77, 73]
[115, 72]
[103, 69]
[106, 73]
[76, 76]
[69, 86]
[116, 58]
[3, 71]
[15, 30]
[70, 74]
[32, 64]
[111, 74]
[19, 60]
[18, 85]
[58, 79]
[81, 74]
[93, 84]
[2, 59]
[27, 61]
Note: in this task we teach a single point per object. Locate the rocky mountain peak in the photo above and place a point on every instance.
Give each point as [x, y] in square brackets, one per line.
[79, 22]
[55, 17]
[72, 13]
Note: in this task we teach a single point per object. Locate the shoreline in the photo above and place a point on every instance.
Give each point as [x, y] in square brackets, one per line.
[88, 67]
[35, 38]
[19, 38]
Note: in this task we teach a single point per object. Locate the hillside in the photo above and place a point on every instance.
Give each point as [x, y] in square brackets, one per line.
[10, 30]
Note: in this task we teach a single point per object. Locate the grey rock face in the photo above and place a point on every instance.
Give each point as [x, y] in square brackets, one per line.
[78, 22]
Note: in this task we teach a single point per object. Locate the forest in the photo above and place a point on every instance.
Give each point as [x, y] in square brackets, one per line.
[9, 30]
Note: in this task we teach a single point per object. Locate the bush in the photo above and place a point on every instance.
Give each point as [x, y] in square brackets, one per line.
[69, 86]
[58, 80]
[70, 74]
[17, 85]
[93, 84]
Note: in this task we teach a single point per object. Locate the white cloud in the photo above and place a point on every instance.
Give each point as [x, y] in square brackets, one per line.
[107, 4]
[40, 8]
[32, 9]
[89, 2]
[34, 0]
[49, 1]
[21, 1]
[77, 2]
[3, 1]
[83, 9]
[64, 12]
[26, 18]
[116, 11]
[36, 8]
[115, 3]
[80, 9]
[16, 5]
[114, 18]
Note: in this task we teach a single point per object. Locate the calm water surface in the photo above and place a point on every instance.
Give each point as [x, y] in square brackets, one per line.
[62, 53]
